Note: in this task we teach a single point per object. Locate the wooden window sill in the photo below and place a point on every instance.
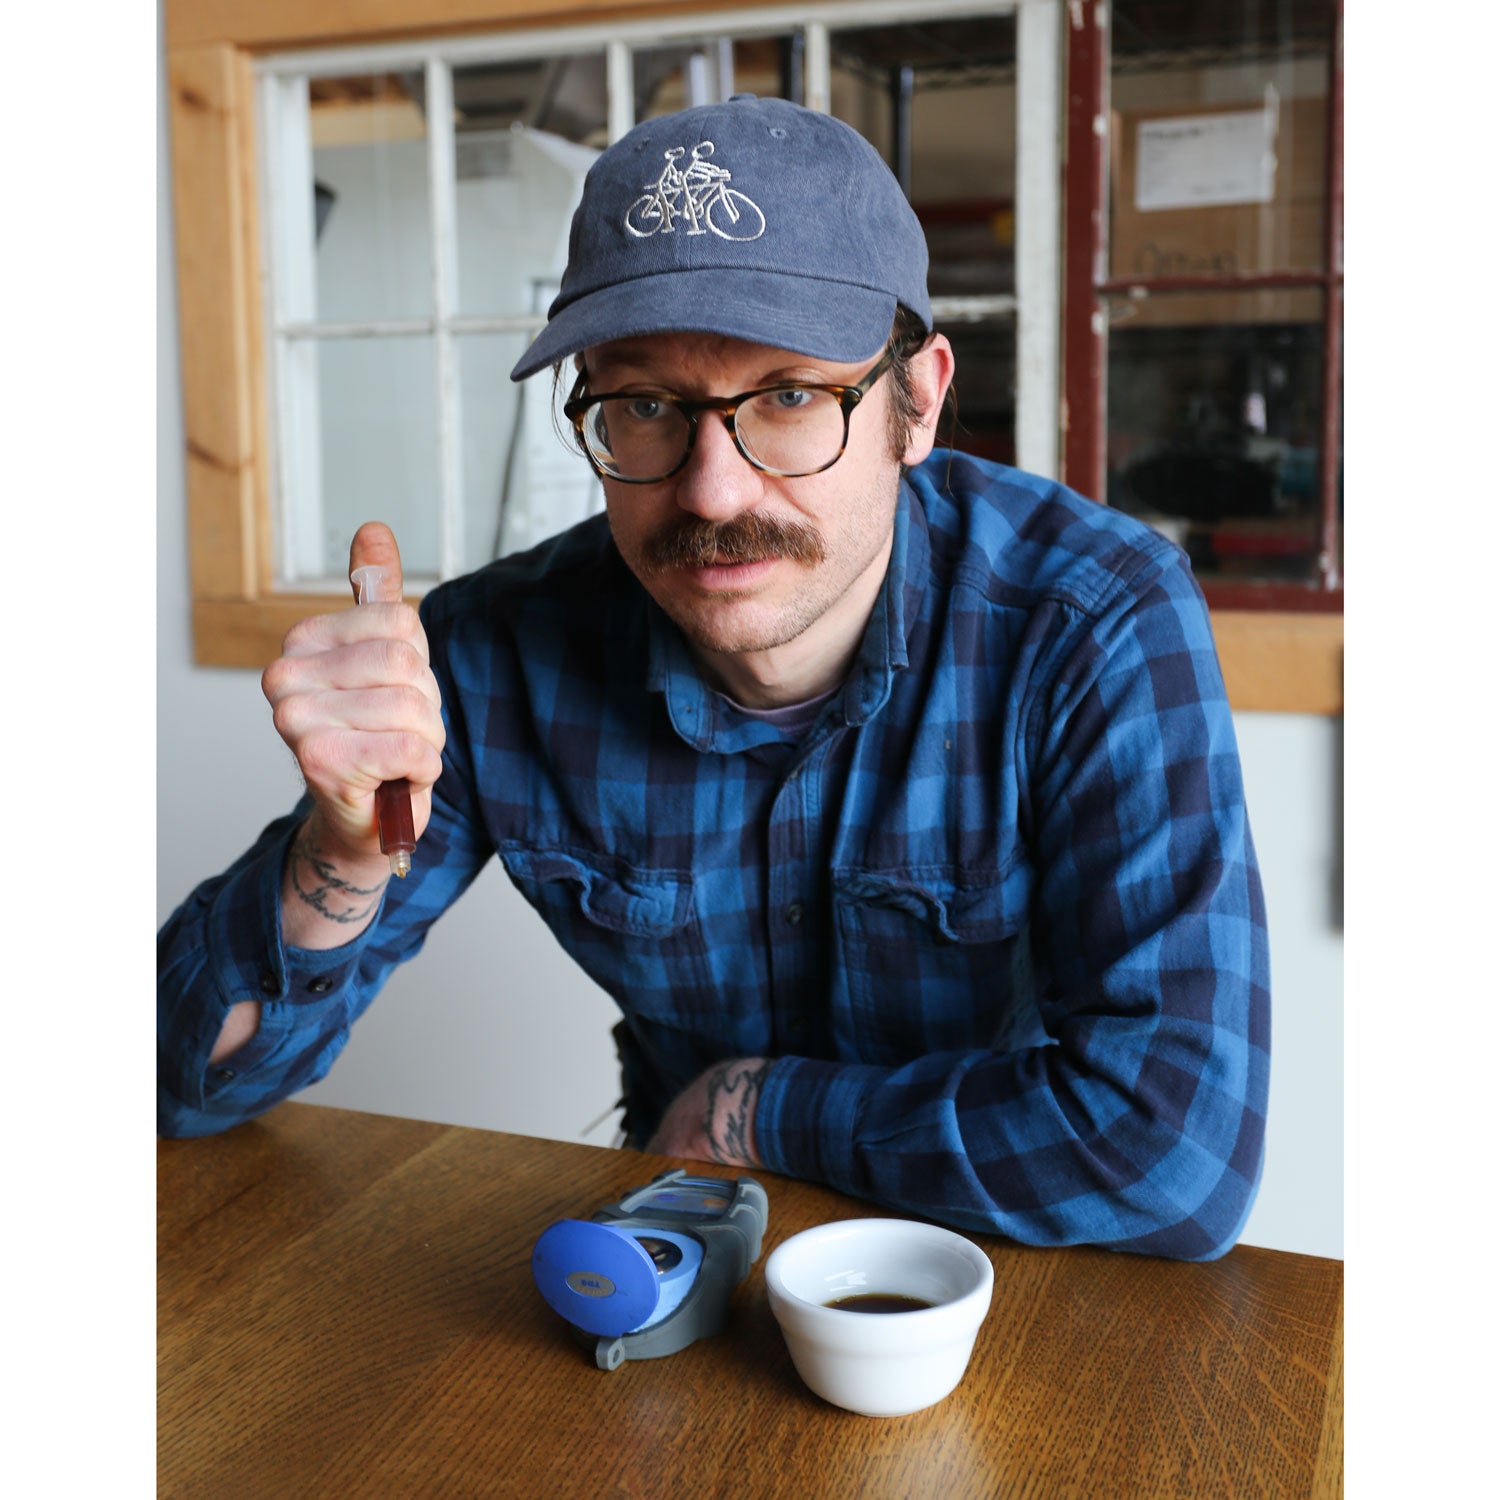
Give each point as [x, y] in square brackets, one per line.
[1281, 663]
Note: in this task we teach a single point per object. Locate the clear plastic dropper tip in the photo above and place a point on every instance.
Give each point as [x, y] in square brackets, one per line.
[400, 863]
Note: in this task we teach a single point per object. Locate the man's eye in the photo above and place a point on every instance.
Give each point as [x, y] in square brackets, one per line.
[644, 408]
[791, 398]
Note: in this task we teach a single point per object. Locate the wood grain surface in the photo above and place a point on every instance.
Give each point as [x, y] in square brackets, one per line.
[346, 1309]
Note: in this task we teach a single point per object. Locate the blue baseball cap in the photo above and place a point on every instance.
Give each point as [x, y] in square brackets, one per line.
[755, 218]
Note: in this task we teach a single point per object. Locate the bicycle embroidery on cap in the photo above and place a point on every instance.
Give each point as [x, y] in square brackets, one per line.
[700, 194]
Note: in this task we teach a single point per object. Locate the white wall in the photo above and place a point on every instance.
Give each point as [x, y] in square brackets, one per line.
[492, 1026]
[1294, 786]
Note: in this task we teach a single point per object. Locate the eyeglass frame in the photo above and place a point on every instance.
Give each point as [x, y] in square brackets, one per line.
[576, 408]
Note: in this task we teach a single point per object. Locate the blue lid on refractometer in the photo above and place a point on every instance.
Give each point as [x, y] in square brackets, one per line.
[599, 1278]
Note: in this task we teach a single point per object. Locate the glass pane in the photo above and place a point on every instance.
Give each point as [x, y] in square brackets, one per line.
[984, 385]
[938, 99]
[369, 140]
[522, 483]
[1215, 428]
[1218, 137]
[525, 135]
[379, 445]
[705, 71]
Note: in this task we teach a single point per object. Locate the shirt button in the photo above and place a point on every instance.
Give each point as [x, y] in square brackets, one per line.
[319, 986]
[268, 983]
[223, 1074]
[794, 913]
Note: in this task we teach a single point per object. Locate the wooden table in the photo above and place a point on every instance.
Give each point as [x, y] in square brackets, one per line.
[346, 1309]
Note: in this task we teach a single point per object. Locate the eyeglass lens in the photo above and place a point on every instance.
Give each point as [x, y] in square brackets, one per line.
[790, 429]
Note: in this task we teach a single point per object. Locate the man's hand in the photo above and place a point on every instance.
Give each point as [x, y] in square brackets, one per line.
[713, 1118]
[354, 698]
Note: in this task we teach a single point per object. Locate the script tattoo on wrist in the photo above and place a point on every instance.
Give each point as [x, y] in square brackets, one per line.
[733, 1089]
[319, 885]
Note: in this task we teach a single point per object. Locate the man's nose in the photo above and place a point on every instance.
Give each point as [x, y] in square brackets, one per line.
[717, 482]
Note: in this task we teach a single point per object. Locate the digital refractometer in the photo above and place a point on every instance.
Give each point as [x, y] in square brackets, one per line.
[652, 1273]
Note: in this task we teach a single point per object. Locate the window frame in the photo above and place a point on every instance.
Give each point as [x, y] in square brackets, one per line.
[1271, 661]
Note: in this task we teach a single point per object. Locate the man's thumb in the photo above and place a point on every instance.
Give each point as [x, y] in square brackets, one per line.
[374, 547]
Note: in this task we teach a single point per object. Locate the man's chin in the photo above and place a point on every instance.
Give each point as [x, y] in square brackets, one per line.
[732, 625]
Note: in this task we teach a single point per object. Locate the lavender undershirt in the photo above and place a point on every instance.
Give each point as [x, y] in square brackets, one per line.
[790, 719]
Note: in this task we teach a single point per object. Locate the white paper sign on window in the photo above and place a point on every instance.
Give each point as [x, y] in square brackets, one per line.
[1204, 159]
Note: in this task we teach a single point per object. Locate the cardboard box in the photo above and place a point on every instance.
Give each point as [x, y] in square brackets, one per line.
[1184, 189]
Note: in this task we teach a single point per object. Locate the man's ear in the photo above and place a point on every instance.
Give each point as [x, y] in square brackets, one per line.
[931, 371]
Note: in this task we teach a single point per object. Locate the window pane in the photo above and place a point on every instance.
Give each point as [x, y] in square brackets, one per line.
[369, 139]
[379, 445]
[955, 82]
[959, 80]
[1218, 137]
[1215, 430]
[984, 383]
[710, 69]
[525, 134]
[522, 483]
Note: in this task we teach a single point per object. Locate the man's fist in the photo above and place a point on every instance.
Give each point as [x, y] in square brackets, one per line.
[354, 698]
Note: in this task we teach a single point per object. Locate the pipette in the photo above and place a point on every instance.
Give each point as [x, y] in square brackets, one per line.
[392, 798]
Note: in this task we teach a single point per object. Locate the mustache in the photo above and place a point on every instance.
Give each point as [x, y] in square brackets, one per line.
[694, 542]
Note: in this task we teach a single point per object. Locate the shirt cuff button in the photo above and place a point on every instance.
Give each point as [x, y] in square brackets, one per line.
[319, 986]
[269, 984]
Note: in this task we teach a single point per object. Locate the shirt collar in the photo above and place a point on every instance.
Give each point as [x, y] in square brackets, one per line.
[710, 723]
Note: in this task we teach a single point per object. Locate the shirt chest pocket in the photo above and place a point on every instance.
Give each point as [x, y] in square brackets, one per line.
[933, 964]
[634, 931]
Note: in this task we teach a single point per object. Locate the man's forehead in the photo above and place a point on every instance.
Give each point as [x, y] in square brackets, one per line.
[699, 352]
[648, 347]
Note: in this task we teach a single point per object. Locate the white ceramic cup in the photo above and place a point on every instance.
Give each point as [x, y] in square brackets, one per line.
[879, 1364]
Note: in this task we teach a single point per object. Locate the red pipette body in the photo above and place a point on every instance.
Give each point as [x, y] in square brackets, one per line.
[398, 839]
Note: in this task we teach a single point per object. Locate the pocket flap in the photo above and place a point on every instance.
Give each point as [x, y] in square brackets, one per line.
[611, 893]
[963, 912]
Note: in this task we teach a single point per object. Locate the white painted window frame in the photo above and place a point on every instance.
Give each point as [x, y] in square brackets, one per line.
[293, 332]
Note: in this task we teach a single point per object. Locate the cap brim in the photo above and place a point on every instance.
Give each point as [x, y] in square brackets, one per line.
[829, 320]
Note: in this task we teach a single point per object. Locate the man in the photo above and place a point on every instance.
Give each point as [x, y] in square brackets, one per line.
[893, 795]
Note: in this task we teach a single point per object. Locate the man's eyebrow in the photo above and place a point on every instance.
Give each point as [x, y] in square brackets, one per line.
[640, 356]
[620, 365]
[639, 371]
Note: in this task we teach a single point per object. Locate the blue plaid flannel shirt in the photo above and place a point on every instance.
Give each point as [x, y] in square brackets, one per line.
[996, 916]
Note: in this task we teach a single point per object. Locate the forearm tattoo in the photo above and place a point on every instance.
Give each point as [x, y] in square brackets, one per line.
[733, 1089]
[319, 885]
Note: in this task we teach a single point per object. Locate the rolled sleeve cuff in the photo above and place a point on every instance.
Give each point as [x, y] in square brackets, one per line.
[245, 959]
[245, 946]
[808, 1117]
